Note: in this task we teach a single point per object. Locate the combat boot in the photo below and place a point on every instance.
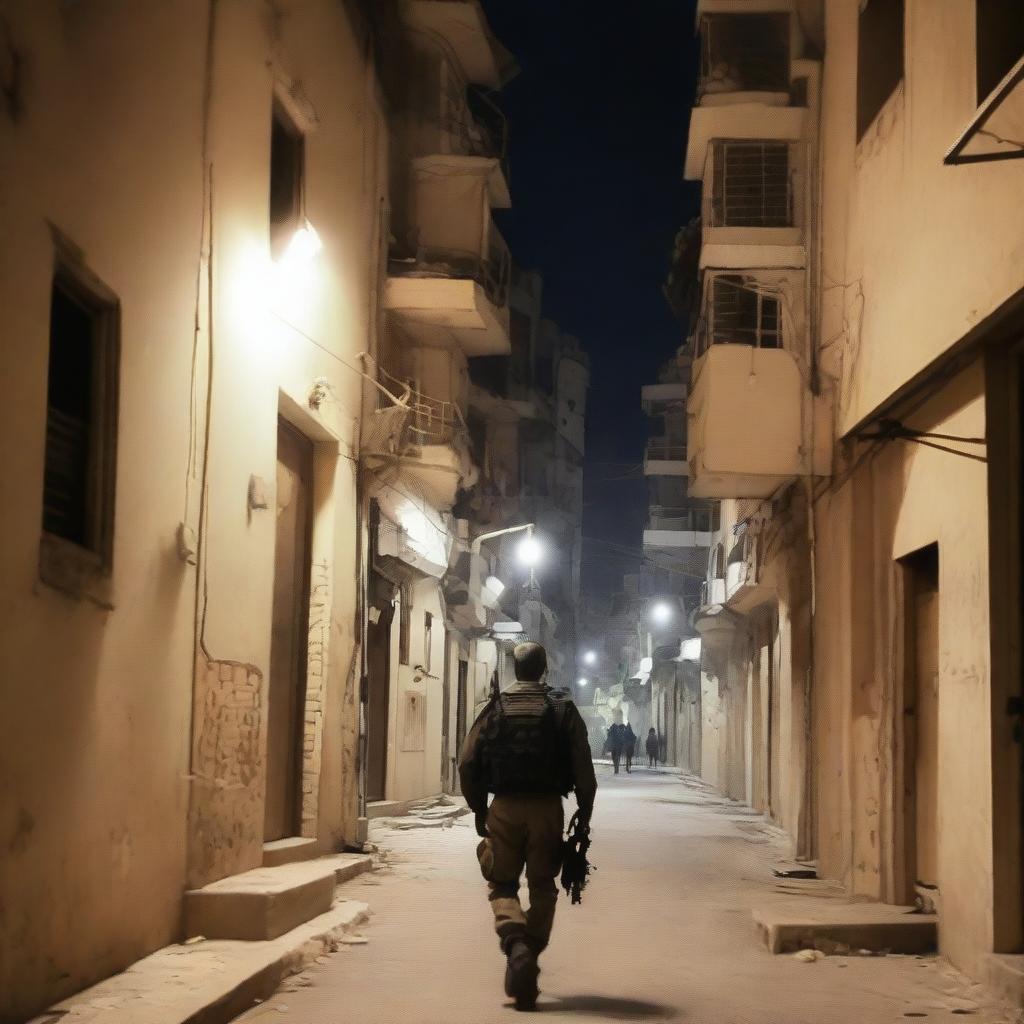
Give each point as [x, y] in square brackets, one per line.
[521, 975]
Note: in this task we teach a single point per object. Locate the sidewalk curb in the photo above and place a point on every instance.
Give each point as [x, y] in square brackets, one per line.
[206, 982]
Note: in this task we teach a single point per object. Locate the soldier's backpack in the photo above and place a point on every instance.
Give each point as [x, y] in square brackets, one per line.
[525, 748]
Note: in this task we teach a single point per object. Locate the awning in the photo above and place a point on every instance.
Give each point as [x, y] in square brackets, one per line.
[996, 132]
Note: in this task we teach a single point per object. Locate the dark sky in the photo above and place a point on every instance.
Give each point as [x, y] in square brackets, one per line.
[597, 125]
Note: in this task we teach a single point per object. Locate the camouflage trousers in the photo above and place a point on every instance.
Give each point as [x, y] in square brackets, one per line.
[525, 832]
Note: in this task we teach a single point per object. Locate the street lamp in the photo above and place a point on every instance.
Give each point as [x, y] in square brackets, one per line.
[530, 551]
[581, 681]
[661, 613]
[590, 658]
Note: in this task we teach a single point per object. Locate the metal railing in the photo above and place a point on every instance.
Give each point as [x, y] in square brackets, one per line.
[430, 420]
[750, 186]
[738, 314]
[663, 517]
[492, 273]
[665, 449]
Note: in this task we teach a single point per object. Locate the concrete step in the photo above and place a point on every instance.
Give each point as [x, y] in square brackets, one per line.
[288, 851]
[260, 904]
[832, 926]
[347, 865]
[207, 982]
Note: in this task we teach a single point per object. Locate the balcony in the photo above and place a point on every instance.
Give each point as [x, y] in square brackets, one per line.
[665, 457]
[746, 88]
[425, 439]
[750, 216]
[655, 397]
[442, 292]
[461, 26]
[745, 413]
[671, 531]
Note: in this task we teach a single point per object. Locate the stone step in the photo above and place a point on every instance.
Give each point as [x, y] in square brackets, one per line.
[288, 851]
[207, 982]
[832, 925]
[260, 904]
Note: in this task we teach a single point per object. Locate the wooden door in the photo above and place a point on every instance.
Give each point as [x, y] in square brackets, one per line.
[286, 690]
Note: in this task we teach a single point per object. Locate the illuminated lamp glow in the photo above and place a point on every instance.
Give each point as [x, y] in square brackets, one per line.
[589, 658]
[661, 612]
[530, 551]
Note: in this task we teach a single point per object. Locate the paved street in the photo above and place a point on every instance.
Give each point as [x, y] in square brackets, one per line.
[664, 933]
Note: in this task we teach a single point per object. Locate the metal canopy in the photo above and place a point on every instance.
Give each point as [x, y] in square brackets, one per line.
[996, 132]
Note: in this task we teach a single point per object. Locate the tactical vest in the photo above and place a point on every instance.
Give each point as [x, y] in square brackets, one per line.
[525, 748]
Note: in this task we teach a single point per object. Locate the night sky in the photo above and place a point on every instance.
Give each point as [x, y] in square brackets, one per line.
[597, 126]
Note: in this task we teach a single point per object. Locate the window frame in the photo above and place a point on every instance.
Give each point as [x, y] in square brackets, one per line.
[864, 121]
[282, 229]
[404, 622]
[77, 569]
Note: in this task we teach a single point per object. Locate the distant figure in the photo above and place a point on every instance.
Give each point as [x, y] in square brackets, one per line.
[629, 746]
[653, 748]
[529, 748]
[616, 741]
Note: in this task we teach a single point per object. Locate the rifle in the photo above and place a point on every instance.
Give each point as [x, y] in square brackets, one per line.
[575, 866]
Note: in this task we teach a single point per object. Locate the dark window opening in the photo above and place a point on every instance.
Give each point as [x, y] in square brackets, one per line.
[999, 40]
[491, 373]
[744, 53]
[751, 186]
[80, 416]
[287, 160]
[743, 315]
[879, 58]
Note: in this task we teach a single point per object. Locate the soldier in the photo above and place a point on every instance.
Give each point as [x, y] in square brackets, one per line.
[529, 748]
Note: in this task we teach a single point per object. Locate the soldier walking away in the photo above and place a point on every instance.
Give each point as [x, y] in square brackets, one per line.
[616, 740]
[653, 748]
[529, 748]
[629, 747]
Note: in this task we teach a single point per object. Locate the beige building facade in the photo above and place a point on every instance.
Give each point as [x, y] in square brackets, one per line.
[861, 614]
[249, 256]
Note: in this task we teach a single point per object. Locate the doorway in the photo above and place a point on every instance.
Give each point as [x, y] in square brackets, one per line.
[286, 692]
[921, 722]
[378, 668]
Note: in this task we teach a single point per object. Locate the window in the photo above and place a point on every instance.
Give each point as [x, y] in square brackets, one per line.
[744, 53]
[81, 417]
[879, 57]
[404, 617]
[428, 638]
[999, 41]
[751, 185]
[742, 314]
[287, 169]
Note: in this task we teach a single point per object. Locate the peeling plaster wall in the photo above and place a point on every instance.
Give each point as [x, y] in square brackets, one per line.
[902, 500]
[96, 753]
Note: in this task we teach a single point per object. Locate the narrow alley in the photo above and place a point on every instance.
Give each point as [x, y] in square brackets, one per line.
[664, 932]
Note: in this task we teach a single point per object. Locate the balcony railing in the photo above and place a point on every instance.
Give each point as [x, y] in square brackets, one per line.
[492, 273]
[737, 313]
[744, 53]
[429, 420]
[750, 186]
[682, 519]
[665, 449]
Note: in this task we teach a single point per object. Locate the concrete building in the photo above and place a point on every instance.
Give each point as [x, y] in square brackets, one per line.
[238, 411]
[189, 273]
[854, 405]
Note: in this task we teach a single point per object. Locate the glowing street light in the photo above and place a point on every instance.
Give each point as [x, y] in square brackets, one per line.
[530, 551]
[590, 658]
[661, 613]
[581, 681]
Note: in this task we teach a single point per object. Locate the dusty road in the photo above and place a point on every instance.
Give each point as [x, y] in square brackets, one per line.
[664, 933]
